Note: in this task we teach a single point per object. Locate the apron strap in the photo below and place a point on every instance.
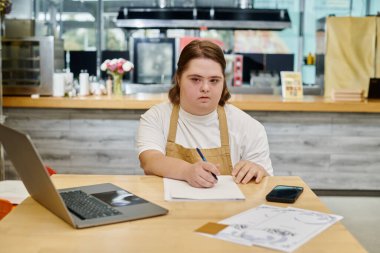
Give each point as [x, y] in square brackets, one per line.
[173, 124]
[224, 141]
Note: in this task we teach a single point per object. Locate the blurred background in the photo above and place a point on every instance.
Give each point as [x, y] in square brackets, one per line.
[290, 36]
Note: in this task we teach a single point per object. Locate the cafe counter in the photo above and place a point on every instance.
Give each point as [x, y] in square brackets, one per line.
[331, 145]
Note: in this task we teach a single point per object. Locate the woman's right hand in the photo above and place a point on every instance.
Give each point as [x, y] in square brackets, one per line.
[199, 174]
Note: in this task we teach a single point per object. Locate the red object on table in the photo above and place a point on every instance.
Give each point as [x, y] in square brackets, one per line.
[5, 207]
[50, 170]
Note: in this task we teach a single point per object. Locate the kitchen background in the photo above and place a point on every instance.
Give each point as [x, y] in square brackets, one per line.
[81, 34]
[92, 31]
[338, 148]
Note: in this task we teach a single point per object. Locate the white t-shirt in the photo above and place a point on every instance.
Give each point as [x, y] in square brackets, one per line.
[247, 136]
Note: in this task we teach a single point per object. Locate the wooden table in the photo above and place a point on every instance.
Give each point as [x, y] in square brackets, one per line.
[32, 228]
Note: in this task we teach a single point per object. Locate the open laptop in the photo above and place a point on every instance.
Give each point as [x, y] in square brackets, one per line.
[111, 203]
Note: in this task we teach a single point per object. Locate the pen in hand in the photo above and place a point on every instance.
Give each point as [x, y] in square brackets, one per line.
[204, 159]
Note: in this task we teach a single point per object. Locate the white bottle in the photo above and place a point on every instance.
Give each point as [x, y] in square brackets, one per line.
[84, 84]
[59, 84]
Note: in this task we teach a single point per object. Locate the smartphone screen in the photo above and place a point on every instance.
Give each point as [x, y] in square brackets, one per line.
[284, 193]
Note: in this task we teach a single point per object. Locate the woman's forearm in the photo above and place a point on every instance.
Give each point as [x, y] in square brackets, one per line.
[155, 163]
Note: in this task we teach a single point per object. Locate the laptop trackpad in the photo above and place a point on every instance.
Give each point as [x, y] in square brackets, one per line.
[119, 198]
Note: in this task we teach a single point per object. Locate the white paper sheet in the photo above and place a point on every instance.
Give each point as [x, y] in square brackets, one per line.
[13, 190]
[283, 229]
[225, 189]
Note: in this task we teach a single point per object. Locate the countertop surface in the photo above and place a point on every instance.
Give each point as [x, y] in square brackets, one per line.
[247, 102]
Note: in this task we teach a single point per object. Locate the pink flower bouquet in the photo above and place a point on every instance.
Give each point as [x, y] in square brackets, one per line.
[117, 66]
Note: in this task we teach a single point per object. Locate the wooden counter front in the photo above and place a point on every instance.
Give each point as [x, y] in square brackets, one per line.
[247, 102]
[332, 145]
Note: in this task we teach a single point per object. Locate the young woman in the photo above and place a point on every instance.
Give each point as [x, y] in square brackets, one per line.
[197, 116]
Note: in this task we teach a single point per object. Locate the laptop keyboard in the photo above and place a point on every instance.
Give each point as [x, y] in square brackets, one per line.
[86, 206]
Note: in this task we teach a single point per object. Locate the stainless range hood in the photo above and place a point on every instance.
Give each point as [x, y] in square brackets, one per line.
[211, 18]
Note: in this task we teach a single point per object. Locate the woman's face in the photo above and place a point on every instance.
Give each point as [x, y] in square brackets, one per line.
[201, 86]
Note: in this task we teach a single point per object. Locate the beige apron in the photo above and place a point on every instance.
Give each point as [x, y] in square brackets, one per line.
[219, 155]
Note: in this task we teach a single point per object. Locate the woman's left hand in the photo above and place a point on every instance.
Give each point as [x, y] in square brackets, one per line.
[244, 171]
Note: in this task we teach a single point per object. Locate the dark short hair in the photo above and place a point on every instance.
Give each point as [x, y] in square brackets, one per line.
[194, 50]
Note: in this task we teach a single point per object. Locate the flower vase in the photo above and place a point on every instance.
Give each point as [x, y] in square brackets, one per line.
[117, 85]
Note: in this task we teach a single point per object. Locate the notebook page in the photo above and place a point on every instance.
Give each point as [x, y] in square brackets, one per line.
[224, 189]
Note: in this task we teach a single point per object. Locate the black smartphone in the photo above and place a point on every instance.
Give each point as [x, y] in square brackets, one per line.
[284, 193]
